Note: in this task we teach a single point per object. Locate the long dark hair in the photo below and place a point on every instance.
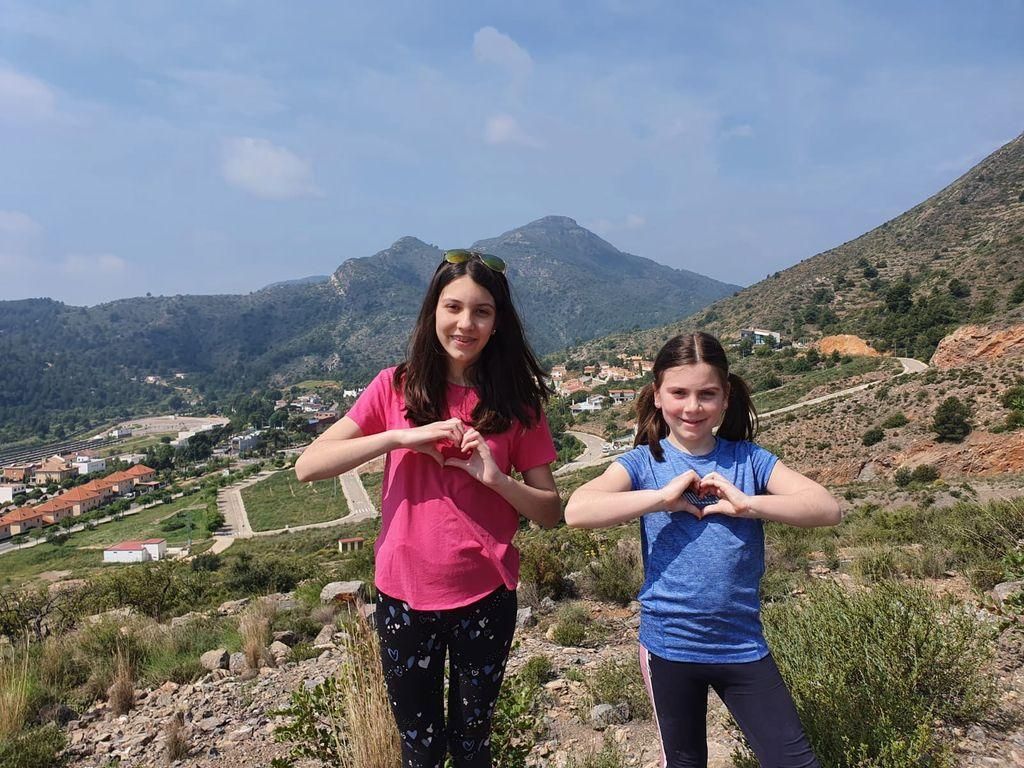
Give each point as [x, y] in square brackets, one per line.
[740, 420]
[506, 376]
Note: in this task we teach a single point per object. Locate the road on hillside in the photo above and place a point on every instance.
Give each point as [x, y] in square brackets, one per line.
[910, 365]
[593, 454]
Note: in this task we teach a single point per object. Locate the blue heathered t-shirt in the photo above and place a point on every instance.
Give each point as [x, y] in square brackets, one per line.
[700, 601]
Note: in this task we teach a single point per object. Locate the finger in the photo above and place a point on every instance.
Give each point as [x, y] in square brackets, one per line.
[458, 464]
[432, 452]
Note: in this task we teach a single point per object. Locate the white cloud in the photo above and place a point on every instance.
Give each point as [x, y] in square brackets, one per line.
[104, 264]
[18, 224]
[265, 170]
[635, 221]
[492, 47]
[505, 129]
[23, 97]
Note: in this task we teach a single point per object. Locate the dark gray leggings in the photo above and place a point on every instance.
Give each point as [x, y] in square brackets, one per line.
[755, 695]
[477, 639]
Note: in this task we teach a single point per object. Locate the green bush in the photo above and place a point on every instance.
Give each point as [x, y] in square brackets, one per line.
[902, 477]
[571, 625]
[872, 436]
[544, 566]
[609, 756]
[617, 574]
[517, 722]
[871, 671]
[34, 748]
[925, 473]
[619, 681]
[951, 421]
[538, 670]
[895, 421]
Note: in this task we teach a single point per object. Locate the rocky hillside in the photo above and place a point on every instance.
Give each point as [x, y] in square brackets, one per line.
[954, 259]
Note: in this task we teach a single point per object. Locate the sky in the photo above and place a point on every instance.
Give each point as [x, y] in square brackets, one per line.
[217, 146]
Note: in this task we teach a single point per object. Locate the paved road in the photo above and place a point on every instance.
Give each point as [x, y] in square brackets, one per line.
[229, 501]
[909, 366]
[591, 456]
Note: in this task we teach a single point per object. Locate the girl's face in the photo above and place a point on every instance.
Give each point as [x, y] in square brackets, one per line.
[692, 399]
[464, 320]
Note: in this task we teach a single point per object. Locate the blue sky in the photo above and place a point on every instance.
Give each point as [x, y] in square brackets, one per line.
[215, 147]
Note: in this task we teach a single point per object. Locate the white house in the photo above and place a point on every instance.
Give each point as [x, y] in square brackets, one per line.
[87, 464]
[136, 551]
[245, 443]
[761, 336]
[9, 490]
[591, 404]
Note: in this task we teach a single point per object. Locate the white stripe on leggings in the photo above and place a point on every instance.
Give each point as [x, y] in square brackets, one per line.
[645, 670]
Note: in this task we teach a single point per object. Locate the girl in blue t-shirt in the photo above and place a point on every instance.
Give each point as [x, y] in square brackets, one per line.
[701, 498]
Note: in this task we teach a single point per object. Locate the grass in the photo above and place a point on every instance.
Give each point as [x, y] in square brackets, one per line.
[373, 482]
[281, 501]
[82, 553]
[15, 689]
[131, 445]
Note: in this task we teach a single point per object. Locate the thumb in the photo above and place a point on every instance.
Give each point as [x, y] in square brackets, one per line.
[432, 452]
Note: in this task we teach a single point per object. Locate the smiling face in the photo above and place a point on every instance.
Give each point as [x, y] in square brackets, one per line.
[692, 399]
[464, 320]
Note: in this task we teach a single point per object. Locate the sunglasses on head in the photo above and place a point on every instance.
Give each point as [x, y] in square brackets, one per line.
[461, 255]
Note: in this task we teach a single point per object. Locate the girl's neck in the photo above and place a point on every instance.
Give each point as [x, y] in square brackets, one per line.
[457, 375]
[700, 447]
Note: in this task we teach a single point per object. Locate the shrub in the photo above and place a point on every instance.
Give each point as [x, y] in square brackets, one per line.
[121, 693]
[571, 624]
[538, 670]
[175, 739]
[609, 756]
[951, 421]
[895, 421]
[517, 721]
[34, 748]
[619, 681]
[544, 567]
[870, 671]
[872, 436]
[254, 627]
[617, 574]
[902, 477]
[15, 690]
[925, 473]
[878, 565]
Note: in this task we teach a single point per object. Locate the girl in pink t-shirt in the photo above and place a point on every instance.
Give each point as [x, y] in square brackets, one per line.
[463, 411]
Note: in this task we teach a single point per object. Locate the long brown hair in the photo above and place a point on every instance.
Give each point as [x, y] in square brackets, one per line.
[740, 420]
[507, 377]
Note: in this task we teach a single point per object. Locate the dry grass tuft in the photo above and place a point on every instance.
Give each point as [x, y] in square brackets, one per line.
[254, 627]
[15, 690]
[370, 729]
[176, 746]
[121, 693]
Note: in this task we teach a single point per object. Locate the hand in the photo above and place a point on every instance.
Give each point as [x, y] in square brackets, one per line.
[731, 500]
[480, 464]
[674, 499]
[425, 439]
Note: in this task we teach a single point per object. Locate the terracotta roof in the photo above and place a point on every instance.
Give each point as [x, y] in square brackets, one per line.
[154, 541]
[79, 494]
[125, 546]
[138, 469]
[54, 505]
[22, 514]
[102, 484]
[117, 477]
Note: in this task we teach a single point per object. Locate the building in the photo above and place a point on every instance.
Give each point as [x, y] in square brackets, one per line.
[5, 529]
[351, 545]
[55, 510]
[591, 404]
[20, 473]
[622, 395]
[9, 490]
[761, 336]
[87, 465]
[136, 551]
[53, 470]
[244, 444]
[22, 519]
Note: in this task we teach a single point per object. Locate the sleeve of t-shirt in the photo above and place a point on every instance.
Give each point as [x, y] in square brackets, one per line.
[534, 447]
[371, 408]
[762, 461]
[636, 464]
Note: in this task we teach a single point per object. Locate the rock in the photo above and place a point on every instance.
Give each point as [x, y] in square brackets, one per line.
[1002, 592]
[525, 618]
[211, 723]
[237, 662]
[343, 592]
[216, 659]
[547, 604]
[279, 649]
[325, 638]
[231, 607]
[287, 637]
[603, 715]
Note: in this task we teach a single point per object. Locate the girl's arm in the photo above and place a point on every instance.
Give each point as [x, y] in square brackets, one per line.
[792, 499]
[344, 446]
[535, 498]
[609, 499]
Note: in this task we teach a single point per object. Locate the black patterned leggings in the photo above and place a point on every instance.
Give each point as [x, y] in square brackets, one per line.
[477, 638]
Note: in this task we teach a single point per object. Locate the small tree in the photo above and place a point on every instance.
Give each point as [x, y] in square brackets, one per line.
[951, 421]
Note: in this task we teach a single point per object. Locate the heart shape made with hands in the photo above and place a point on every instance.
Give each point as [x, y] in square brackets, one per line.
[449, 450]
[699, 496]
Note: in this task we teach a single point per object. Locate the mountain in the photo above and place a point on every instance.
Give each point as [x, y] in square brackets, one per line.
[66, 367]
[956, 257]
[312, 279]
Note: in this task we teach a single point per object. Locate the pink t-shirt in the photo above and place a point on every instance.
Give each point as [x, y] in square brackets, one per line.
[445, 539]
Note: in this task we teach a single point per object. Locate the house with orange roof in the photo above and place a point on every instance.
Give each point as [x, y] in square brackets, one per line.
[5, 529]
[136, 551]
[23, 519]
[55, 510]
[102, 486]
[19, 473]
[140, 473]
[81, 500]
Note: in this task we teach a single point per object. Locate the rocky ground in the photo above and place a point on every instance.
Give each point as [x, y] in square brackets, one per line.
[228, 714]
